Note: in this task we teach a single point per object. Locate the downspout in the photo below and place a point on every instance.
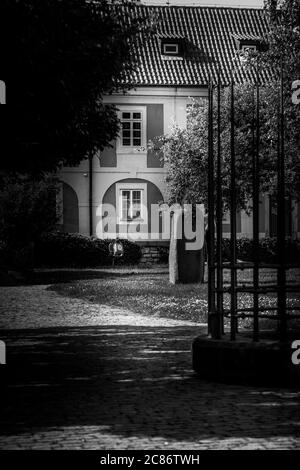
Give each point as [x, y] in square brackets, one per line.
[91, 194]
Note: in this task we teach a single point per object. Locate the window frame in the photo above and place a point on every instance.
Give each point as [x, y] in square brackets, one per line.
[142, 187]
[130, 217]
[168, 44]
[132, 148]
[246, 47]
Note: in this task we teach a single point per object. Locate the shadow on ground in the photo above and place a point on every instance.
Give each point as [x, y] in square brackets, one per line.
[133, 381]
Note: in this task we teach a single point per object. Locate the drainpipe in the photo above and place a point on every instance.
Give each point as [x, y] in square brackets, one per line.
[91, 194]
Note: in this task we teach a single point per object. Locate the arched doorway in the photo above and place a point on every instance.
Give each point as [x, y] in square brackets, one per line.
[70, 210]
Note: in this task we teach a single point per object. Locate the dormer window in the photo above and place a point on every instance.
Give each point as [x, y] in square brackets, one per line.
[171, 45]
[248, 48]
[246, 42]
[170, 48]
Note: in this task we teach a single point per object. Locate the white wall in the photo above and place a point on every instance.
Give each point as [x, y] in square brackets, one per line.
[133, 165]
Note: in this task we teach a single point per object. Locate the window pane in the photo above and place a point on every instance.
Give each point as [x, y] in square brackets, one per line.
[125, 204]
[125, 195]
[131, 131]
[136, 196]
[136, 204]
[136, 212]
[171, 48]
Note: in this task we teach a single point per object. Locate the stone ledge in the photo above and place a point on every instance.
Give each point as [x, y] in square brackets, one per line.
[245, 362]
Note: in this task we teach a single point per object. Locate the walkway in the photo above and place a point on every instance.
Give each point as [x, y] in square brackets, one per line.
[83, 376]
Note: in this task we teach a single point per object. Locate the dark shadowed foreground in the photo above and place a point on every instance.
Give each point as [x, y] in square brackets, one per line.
[122, 381]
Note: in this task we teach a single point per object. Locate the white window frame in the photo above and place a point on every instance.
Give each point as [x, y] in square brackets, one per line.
[247, 47]
[131, 148]
[132, 187]
[170, 44]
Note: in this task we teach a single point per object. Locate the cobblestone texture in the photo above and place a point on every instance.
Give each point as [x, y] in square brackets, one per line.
[82, 376]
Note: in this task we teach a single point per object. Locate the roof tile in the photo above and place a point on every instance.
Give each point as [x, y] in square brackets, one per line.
[210, 37]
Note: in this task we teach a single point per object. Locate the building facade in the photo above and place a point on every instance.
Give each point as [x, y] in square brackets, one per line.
[193, 45]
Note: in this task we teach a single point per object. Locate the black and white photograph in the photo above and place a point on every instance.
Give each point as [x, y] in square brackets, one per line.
[149, 229]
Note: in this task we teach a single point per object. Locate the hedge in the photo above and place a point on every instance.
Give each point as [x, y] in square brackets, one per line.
[267, 250]
[60, 249]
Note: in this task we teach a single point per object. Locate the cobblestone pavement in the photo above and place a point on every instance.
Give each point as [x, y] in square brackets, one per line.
[83, 376]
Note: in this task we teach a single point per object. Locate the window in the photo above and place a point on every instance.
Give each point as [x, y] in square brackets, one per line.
[132, 137]
[131, 132]
[249, 48]
[170, 49]
[131, 204]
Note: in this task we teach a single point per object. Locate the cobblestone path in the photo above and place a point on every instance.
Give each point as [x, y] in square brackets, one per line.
[84, 376]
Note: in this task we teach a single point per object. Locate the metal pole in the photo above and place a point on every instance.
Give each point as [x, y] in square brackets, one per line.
[281, 275]
[211, 269]
[91, 194]
[219, 217]
[233, 306]
[256, 212]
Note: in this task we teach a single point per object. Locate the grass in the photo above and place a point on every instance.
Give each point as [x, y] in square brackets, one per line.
[153, 295]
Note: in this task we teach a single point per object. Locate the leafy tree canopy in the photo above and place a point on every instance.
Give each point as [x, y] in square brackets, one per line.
[185, 151]
[58, 59]
[27, 209]
[284, 36]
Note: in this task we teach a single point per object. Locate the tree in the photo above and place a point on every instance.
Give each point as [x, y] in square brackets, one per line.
[185, 151]
[27, 211]
[58, 59]
[284, 36]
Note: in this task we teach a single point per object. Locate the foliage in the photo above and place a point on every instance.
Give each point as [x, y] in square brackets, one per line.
[58, 59]
[284, 37]
[60, 249]
[163, 254]
[27, 208]
[267, 250]
[185, 151]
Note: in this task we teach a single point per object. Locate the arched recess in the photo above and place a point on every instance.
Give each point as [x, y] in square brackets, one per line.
[153, 194]
[70, 210]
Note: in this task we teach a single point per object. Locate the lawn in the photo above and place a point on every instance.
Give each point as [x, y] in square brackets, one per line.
[152, 294]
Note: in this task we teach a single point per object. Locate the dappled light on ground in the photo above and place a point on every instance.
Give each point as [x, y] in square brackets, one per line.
[132, 387]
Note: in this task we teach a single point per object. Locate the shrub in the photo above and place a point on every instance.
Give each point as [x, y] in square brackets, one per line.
[59, 249]
[267, 250]
[163, 254]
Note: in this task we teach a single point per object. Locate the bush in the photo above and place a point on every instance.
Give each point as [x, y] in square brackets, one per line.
[60, 249]
[163, 254]
[267, 250]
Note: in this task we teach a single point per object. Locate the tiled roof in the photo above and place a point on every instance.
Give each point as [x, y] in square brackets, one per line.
[210, 36]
